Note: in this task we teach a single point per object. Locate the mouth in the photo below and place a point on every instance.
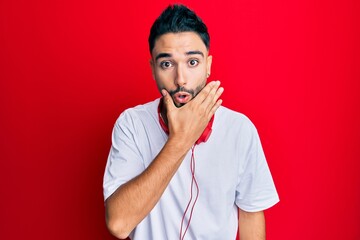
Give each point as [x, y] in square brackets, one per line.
[181, 97]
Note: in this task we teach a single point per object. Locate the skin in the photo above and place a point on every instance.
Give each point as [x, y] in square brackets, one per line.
[251, 225]
[180, 65]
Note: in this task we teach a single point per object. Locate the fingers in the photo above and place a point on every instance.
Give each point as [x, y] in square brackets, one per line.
[213, 102]
[208, 98]
[204, 92]
[214, 108]
[213, 96]
[169, 104]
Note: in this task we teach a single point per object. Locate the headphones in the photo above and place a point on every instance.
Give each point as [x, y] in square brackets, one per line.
[204, 136]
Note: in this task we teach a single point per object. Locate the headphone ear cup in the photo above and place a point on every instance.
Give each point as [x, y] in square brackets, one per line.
[207, 132]
[205, 135]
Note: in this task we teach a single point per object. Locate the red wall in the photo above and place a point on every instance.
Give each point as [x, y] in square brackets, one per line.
[68, 68]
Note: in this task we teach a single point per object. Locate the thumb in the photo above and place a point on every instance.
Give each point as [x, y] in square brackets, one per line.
[169, 104]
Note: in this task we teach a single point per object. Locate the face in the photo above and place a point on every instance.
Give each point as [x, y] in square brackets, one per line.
[180, 64]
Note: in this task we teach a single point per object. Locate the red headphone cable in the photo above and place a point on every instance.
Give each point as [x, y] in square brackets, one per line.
[193, 180]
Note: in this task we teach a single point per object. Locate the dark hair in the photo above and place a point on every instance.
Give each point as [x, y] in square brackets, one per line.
[175, 19]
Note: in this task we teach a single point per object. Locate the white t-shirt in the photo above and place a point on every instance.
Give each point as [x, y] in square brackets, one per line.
[231, 172]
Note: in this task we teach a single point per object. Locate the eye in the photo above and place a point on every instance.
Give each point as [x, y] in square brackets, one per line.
[193, 62]
[166, 64]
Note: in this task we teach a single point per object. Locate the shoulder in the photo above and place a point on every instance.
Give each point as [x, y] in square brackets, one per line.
[232, 119]
[139, 113]
[235, 127]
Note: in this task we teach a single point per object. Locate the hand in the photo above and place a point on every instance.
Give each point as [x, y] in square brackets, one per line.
[187, 123]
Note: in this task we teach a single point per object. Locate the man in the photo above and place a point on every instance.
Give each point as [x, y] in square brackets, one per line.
[183, 166]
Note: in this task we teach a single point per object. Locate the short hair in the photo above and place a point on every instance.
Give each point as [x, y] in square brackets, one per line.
[178, 18]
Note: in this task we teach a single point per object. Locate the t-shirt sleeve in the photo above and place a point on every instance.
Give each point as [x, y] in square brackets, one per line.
[124, 160]
[255, 189]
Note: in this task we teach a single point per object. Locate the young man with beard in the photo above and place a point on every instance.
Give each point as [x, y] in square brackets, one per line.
[183, 166]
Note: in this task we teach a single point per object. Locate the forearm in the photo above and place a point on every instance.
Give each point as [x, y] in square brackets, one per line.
[131, 202]
[251, 225]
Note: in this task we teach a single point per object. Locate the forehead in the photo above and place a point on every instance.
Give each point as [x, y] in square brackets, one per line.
[179, 43]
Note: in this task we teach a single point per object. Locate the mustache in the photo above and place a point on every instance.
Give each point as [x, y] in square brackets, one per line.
[182, 89]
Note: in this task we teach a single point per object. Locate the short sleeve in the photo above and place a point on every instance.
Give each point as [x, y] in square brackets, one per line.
[255, 189]
[124, 160]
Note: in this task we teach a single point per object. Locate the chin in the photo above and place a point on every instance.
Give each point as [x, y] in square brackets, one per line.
[178, 105]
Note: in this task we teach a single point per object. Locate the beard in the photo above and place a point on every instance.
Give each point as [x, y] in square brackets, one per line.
[192, 92]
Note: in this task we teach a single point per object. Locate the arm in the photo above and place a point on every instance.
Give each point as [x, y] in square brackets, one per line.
[251, 225]
[132, 201]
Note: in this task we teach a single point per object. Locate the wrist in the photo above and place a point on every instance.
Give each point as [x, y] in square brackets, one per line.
[178, 145]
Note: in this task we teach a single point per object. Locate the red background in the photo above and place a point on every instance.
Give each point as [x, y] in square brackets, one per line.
[67, 70]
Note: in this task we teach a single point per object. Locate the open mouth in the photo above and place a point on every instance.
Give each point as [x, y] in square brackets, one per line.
[181, 97]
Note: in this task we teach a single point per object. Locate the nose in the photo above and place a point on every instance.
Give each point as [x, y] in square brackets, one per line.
[180, 79]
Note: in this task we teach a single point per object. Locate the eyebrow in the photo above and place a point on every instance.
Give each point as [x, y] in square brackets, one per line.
[195, 53]
[168, 55]
[162, 55]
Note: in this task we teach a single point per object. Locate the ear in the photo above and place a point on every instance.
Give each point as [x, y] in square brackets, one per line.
[152, 65]
[208, 65]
